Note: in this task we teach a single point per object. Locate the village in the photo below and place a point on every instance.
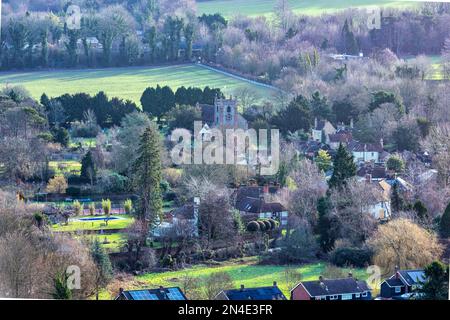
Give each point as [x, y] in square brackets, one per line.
[156, 150]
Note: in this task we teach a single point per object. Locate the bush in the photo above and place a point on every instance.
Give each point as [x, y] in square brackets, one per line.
[444, 225]
[78, 208]
[351, 257]
[112, 182]
[74, 179]
[253, 226]
[267, 224]
[73, 191]
[128, 206]
[57, 184]
[273, 224]
[262, 225]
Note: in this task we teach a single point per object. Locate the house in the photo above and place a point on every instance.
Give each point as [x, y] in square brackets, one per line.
[322, 130]
[261, 293]
[343, 137]
[181, 222]
[402, 282]
[372, 172]
[161, 293]
[365, 152]
[311, 148]
[223, 114]
[381, 207]
[332, 289]
[344, 57]
[251, 203]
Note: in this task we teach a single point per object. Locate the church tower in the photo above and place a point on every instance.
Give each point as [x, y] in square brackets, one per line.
[225, 113]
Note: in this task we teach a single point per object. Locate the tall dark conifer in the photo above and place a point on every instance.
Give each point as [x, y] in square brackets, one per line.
[343, 168]
[147, 176]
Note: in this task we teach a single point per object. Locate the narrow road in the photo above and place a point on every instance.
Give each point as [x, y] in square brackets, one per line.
[256, 83]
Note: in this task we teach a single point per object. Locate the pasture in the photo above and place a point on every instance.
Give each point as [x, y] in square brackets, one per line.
[243, 271]
[229, 8]
[126, 83]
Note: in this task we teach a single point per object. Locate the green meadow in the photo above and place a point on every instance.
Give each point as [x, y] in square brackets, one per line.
[126, 83]
[243, 271]
[229, 8]
[75, 224]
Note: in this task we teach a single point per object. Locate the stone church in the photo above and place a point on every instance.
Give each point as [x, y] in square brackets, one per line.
[223, 114]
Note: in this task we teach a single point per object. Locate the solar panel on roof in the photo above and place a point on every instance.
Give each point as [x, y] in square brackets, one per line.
[174, 294]
[417, 276]
[143, 295]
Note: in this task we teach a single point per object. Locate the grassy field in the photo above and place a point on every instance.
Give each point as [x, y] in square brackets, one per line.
[126, 83]
[246, 272]
[111, 242]
[65, 167]
[436, 72]
[86, 143]
[229, 8]
[77, 225]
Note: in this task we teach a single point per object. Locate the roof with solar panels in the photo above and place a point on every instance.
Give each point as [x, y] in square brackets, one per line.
[161, 293]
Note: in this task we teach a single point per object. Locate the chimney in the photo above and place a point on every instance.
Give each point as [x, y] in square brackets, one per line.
[266, 189]
[242, 287]
[351, 123]
[350, 274]
[120, 290]
[315, 123]
[368, 178]
[274, 283]
[397, 274]
[320, 278]
[382, 143]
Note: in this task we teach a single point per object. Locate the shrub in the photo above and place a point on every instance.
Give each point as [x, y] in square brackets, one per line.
[262, 225]
[40, 219]
[128, 206]
[57, 184]
[92, 208]
[112, 182]
[351, 257]
[445, 222]
[73, 191]
[77, 208]
[253, 226]
[267, 224]
[106, 206]
[273, 224]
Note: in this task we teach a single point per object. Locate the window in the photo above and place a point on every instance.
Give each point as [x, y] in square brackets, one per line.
[228, 109]
[335, 297]
[364, 294]
[358, 295]
[398, 289]
[346, 297]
